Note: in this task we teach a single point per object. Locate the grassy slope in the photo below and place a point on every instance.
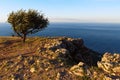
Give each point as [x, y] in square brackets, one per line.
[12, 66]
[12, 46]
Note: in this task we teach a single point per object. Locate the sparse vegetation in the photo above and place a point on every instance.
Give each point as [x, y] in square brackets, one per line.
[47, 59]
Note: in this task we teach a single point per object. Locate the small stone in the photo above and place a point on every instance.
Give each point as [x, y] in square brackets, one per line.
[46, 69]
[95, 74]
[12, 79]
[20, 57]
[25, 62]
[81, 64]
[38, 61]
[53, 57]
[58, 76]
[62, 64]
[32, 69]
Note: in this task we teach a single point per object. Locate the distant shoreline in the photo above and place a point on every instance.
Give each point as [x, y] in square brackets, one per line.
[102, 37]
[77, 22]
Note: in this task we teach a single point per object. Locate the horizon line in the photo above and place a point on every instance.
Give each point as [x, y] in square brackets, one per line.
[78, 22]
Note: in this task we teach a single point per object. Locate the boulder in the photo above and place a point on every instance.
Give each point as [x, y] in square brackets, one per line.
[79, 69]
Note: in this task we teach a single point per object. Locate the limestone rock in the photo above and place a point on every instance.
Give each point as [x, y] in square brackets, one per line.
[58, 76]
[54, 45]
[107, 77]
[79, 69]
[62, 50]
[32, 69]
[74, 48]
[110, 63]
[108, 57]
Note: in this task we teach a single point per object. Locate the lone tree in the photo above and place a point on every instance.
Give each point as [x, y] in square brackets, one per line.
[27, 22]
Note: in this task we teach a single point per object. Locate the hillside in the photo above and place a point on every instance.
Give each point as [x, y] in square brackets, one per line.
[57, 58]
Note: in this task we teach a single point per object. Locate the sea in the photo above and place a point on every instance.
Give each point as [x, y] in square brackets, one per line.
[100, 37]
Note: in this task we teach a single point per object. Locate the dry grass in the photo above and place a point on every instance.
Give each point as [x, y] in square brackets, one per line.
[12, 46]
[12, 65]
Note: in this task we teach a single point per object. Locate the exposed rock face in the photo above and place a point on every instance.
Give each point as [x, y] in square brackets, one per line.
[74, 48]
[54, 59]
[110, 63]
[80, 70]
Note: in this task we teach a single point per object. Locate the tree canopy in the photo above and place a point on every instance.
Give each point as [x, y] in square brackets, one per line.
[27, 22]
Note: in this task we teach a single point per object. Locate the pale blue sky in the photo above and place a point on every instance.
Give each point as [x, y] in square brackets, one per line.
[67, 10]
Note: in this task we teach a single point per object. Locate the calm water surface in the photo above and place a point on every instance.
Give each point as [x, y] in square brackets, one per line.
[99, 37]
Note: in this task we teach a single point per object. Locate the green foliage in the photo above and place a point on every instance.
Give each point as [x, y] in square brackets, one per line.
[27, 22]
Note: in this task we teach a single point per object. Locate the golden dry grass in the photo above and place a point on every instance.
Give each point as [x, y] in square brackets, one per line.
[12, 46]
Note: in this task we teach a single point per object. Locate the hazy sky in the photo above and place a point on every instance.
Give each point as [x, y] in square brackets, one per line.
[66, 10]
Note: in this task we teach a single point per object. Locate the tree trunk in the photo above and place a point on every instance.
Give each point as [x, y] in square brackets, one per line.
[24, 38]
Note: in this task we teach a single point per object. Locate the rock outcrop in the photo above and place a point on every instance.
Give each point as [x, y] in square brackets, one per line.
[60, 59]
[110, 63]
[74, 49]
[80, 69]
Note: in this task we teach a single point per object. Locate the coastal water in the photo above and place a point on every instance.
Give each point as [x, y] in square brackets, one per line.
[101, 37]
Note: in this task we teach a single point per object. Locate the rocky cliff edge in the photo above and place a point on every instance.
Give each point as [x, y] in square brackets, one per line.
[61, 59]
